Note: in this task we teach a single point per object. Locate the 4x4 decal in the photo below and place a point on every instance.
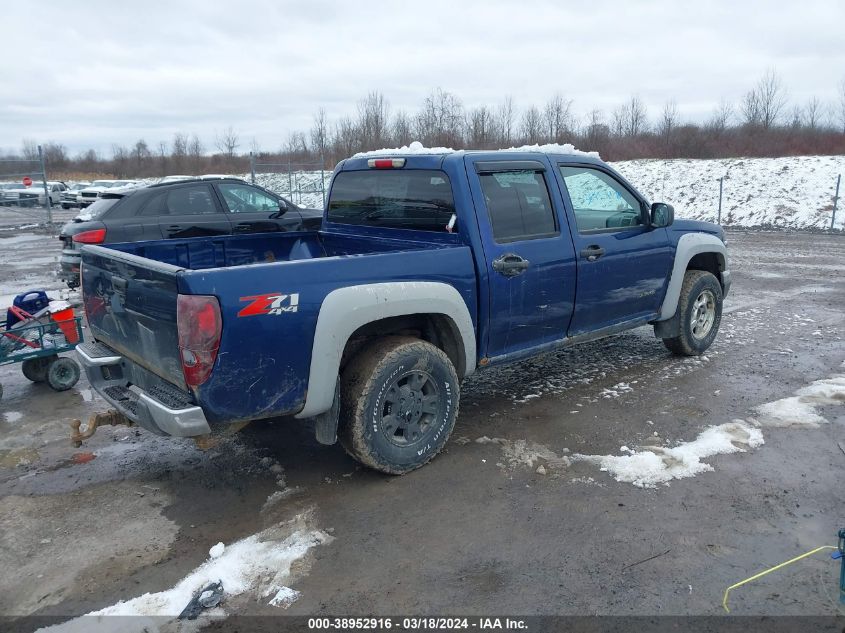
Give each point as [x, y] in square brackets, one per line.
[272, 303]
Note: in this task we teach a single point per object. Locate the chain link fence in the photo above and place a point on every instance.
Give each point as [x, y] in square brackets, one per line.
[25, 194]
[302, 183]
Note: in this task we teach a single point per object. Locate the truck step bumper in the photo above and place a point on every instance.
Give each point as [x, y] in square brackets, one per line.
[166, 414]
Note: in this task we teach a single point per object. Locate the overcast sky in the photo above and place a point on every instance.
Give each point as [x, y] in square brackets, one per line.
[91, 72]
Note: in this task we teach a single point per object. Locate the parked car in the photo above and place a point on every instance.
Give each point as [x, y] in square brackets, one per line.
[24, 196]
[426, 269]
[7, 187]
[185, 208]
[89, 195]
[70, 195]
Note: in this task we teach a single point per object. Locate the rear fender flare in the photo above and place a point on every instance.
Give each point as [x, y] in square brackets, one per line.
[688, 247]
[345, 310]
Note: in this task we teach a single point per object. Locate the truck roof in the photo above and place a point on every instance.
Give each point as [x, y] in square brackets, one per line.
[417, 149]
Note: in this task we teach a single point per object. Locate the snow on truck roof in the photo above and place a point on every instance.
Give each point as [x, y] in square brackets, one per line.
[417, 148]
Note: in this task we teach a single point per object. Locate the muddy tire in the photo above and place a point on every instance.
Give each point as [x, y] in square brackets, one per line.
[35, 369]
[399, 401]
[63, 374]
[700, 310]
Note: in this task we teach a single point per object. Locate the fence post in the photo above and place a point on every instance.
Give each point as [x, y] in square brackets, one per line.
[835, 202]
[252, 167]
[47, 200]
[719, 212]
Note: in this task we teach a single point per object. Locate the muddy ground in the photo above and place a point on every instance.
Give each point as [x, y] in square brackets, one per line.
[479, 530]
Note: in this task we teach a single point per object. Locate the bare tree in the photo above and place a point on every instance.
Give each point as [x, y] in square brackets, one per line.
[635, 117]
[227, 142]
[440, 121]
[532, 126]
[195, 151]
[346, 138]
[763, 105]
[296, 145]
[841, 104]
[668, 119]
[400, 129]
[813, 113]
[596, 131]
[29, 149]
[373, 114]
[162, 158]
[180, 151]
[55, 154]
[320, 133]
[120, 160]
[141, 155]
[480, 128]
[254, 146]
[557, 118]
[507, 118]
[721, 117]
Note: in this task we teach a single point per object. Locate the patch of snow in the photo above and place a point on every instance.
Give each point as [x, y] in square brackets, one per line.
[659, 465]
[525, 453]
[217, 550]
[553, 148]
[285, 596]
[243, 566]
[12, 416]
[415, 148]
[800, 410]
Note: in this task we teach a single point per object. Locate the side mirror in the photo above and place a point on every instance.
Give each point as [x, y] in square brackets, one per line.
[662, 214]
[283, 208]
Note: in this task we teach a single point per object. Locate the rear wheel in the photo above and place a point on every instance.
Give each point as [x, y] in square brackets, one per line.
[35, 369]
[399, 402]
[700, 311]
[63, 374]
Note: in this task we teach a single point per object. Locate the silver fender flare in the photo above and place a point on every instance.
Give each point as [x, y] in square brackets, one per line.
[346, 309]
[689, 246]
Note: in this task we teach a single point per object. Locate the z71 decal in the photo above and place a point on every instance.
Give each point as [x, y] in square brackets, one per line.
[273, 303]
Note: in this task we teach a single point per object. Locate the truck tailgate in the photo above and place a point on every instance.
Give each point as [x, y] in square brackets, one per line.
[130, 303]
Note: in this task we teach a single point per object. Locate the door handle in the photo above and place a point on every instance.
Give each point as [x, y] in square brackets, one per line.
[592, 253]
[510, 265]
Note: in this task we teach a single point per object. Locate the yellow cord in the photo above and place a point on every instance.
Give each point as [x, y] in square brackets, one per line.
[769, 571]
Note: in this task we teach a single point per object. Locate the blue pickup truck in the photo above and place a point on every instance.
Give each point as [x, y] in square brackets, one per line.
[428, 266]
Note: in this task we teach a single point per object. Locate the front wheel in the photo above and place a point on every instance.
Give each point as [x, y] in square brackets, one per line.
[700, 312]
[399, 401]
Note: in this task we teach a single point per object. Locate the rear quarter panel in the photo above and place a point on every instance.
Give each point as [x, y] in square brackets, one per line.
[264, 359]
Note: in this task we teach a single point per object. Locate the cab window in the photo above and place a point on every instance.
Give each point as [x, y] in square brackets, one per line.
[599, 201]
[518, 205]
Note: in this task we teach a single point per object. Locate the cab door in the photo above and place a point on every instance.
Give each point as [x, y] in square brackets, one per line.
[190, 210]
[623, 263]
[530, 260]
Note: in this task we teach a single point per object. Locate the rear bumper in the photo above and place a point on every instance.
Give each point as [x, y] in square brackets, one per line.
[107, 371]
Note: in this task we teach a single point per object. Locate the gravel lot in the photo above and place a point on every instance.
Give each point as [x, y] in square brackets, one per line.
[509, 519]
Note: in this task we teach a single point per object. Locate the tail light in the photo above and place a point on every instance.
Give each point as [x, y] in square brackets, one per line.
[199, 324]
[97, 236]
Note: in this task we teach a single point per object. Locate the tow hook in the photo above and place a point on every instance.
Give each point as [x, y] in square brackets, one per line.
[111, 417]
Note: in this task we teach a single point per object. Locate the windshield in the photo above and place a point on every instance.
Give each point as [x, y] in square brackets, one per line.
[99, 207]
[123, 183]
[102, 183]
[402, 199]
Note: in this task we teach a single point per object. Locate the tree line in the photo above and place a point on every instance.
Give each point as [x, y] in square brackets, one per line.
[763, 123]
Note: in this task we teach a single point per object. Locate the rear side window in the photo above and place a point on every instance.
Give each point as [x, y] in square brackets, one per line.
[518, 205]
[193, 200]
[403, 199]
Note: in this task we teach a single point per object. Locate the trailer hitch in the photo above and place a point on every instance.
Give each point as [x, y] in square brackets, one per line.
[111, 417]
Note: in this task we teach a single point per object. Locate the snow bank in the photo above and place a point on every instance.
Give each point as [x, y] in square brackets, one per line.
[658, 465]
[800, 410]
[263, 559]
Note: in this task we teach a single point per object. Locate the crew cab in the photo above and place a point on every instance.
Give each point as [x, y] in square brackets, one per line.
[29, 196]
[428, 266]
[70, 196]
[189, 207]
